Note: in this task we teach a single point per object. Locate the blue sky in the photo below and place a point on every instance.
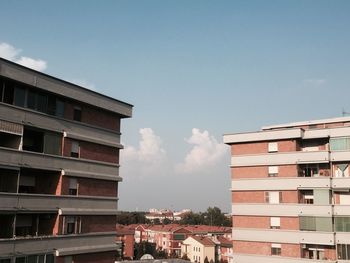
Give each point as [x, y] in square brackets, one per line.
[216, 66]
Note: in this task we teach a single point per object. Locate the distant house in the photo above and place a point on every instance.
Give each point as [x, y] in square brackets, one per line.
[161, 215]
[197, 248]
[224, 250]
[126, 240]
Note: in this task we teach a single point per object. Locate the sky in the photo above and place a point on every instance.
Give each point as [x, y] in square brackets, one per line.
[194, 70]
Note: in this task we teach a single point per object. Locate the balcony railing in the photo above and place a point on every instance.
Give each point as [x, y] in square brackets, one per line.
[81, 167]
[58, 203]
[60, 245]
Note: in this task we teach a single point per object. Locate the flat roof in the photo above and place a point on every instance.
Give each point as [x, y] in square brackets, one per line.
[303, 123]
[40, 80]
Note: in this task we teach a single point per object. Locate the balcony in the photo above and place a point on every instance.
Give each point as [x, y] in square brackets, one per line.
[339, 156]
[341, 210]
[73, 129]
[78, 205]
[283, 236]
[280, 158]
[61, 245]
[246, 258]
[283, 209]
[78, 167]
[280, 183]
[341, 182]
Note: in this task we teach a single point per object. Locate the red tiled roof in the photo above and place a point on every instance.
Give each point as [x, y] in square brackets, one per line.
[205, 241]
[124, 230]
[224, 241]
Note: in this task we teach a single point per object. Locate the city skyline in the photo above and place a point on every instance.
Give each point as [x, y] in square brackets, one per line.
[194, 71]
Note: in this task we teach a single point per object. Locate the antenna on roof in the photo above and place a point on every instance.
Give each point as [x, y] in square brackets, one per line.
[344, 112]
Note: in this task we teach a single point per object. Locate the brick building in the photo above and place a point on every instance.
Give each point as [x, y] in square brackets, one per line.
[59, 159]
[290, 192]
[126, 237]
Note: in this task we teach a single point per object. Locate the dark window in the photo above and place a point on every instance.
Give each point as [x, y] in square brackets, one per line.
[77, 114]
[276, 251]
[33, 140]
[343, 251]
[49, 259]
[21, 260]
[8, 93]
[20, 95]
[52, 143]
[75, 149]
[59, 108]
[32, 259]
[7, 260]
[51, 105]
[42, 102]
[31, 100]
[73, 191]
[2, 84]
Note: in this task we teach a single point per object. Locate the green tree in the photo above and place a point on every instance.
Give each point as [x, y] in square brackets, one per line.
[166, 221]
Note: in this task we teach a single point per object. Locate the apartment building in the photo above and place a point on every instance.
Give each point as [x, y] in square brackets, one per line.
[59, 161]
[290, 192]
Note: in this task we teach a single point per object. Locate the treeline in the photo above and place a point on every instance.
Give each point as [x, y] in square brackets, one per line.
[212, 217]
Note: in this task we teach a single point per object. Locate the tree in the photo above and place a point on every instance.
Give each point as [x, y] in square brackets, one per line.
[166, 221]
[213, 216]
[185, 257]
[127, 218]
[206, 260]
[144, 248]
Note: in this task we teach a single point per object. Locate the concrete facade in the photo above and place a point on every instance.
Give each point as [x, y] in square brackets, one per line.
[59, 169]
[289, 184]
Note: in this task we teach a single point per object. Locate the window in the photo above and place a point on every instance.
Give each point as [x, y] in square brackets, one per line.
[275, 222]
[73, 186]
[59, 108]
[307, 196]
[73, 225]
[272, 147]
[20, 95]
[310, 171]
[77, 114]
[343, 251]
[68, 259]
[2, 89]
[276, 249]
[342, 224]
[273, 197]
[339, 144]
[20, 260]
[312, 223]
[24, 225]
[52, 143]
[75, 149]
[341, 170]
[273, 171]
[5, 260]
[26, 184]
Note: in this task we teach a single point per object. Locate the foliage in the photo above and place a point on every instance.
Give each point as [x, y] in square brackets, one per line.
[206, 260]
[127, 218]
[213, 216]
[185, 257]
[145, 248]
[167, 221]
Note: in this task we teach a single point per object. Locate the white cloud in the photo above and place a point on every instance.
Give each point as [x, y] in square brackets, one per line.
[150, 149]
[206, 152]
[11, 53]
